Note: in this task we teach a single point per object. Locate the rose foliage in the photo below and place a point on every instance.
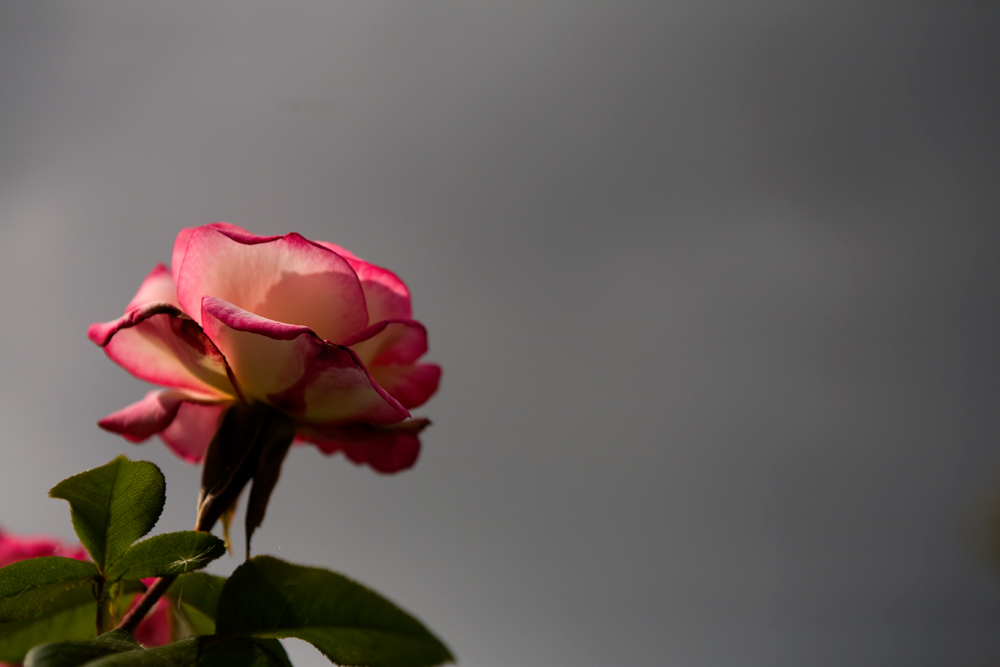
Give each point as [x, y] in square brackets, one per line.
[259, 343]
[156, 629]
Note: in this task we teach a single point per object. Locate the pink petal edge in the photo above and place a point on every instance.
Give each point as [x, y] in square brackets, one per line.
[386, 449]
[184, 236]
[410, 384]
[389, 342]
[156, 413]
[144, 419]
[158, 286]
[385, 293]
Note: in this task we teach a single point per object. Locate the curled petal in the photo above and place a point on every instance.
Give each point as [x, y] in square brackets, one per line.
[282, 278]
[410, 384]
[386, 295]
[158, 343]
[158, 286]
[145, 418]
[184, 424]
[295, 371]
[386, 449]
[390, 342]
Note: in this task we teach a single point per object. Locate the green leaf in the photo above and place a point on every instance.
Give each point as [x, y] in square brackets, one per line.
[170, 553]
[28, 585]
[351, 625]
[72, 616]
[74, 653]
[245, 652]
[113, 506]
[195, 596]
[118, 649]
[178, 654]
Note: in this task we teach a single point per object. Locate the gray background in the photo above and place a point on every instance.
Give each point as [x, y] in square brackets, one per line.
[714, 289]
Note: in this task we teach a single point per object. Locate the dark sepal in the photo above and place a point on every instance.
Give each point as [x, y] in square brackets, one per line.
[230, 460]
[227, 520]
[274, 448]
[251, 443]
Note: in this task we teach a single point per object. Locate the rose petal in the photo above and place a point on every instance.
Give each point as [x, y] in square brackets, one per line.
[181, 243]
[386, 295]
[158, 343]
[158, 286]
[390, 342]
[183, 423]
[410, 384]
[292, 369]
[145, 418]
[281, 278]
[387, 449]
[192, 429]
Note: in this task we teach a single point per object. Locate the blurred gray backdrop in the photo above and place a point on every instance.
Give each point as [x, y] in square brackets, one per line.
[714, 287]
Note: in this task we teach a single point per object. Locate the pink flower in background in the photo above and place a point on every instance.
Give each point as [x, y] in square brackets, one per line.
[14, 548]
[303, 326]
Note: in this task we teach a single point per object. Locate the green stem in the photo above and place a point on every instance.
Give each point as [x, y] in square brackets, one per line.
[105, 617]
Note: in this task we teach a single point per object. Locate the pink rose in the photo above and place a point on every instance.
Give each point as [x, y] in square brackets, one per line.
[303, 326]
[14, 548]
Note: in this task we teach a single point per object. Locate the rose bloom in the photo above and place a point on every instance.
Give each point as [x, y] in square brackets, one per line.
[303, 326]
[154, 630]
[14, 548]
